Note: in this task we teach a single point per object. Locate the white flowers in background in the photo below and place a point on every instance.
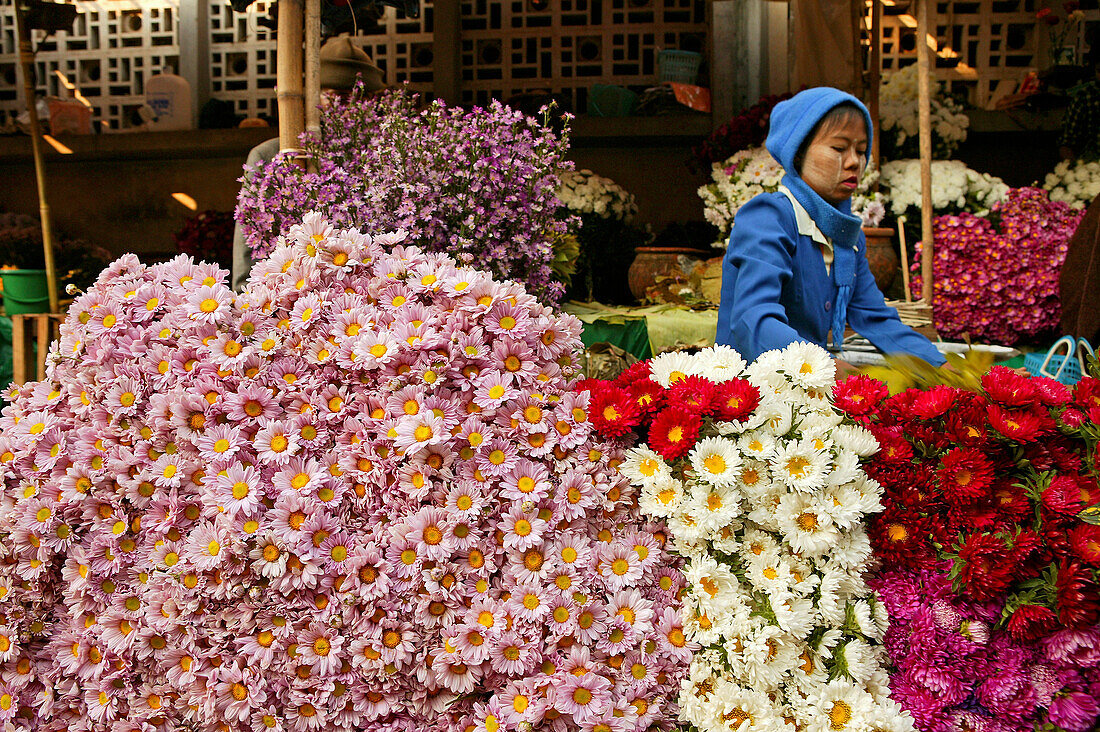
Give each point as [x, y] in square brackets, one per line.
[955, 187]
[753, 171]
[768, 513]
[898, 116]
[1075, 182]
[584, 192]
[736, 180]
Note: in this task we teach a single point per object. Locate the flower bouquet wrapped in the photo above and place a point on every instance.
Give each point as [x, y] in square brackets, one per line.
[602, 211]
[989, 548]
[360, 496]
[477, 184]
[996, 278]
[758, 478]
[1075, 182]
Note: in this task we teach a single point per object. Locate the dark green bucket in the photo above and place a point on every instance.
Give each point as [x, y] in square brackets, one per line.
[25, 291]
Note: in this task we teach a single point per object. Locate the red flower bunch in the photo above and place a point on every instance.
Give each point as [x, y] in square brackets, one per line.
[1002, 483]
[668, 419]
[208, 236]
[747, 129]
[996, 278]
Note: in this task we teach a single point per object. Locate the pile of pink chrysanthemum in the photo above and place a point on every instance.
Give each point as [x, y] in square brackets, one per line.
[359, 496]
[996, 278]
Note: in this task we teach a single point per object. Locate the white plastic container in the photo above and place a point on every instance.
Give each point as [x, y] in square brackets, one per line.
[169, 96]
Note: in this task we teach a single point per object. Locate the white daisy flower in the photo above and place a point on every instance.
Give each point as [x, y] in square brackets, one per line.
[662, 498]
[808, 365]
[716, 460]
[846, 468]
[798, 465]
[778, 415]
[764, 372]
[842, 706]
[770, 572]
[853, 550]
[871, 492]
[855, 438]
[725, 538]
[795, 615]
[809, 672]
[668, 368]
[843, 503]
[745, 710]
[643, 466]
[888, 716]
[720, 363]
[805, 526]
[713, 584]
[860, 611]
[686, 526]
[856, 658]
[758, 443]
[818, 424]
[879, 615]
[768, 655]
[758, 543]
[755, 481]
[714, 505]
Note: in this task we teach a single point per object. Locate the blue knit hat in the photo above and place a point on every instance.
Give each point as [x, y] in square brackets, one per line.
[791, 123]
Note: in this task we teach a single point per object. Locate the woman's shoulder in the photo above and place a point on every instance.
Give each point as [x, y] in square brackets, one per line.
[767, 208]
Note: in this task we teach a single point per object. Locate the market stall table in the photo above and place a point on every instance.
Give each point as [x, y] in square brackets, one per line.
[645, 331]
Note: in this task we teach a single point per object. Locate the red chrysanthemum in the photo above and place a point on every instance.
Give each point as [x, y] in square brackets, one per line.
[1020, 425]
[968, 424]
[635, 372]
[1025, 553]
[674, 431]
[900, 406]
[1031, 622]
[1010, 500]
[859, 395]
[613, 411]
[978, 515]
[1087, 393]
[1051, 392]
[1005, 386]
[900, 537]
[1063, 496]
[648, 395]
[1085, 540]
[694, 393]
[1077, 599]
[965, 475]
[893, 448]
[736, 400]
[1073, 418]
[982, 571]
[934, 402]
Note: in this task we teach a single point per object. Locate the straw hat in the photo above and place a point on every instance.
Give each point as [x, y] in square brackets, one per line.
[342, 61]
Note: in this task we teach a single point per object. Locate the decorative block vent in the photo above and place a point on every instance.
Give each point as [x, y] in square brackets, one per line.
[511, 47]
[984, 47]
[112, 48]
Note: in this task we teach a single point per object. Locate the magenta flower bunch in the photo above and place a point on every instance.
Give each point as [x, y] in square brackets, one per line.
[955, 670]
[478, 184]
[360, 496]
[996, 278]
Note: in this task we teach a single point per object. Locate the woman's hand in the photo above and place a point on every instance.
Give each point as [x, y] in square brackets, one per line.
[845, 369]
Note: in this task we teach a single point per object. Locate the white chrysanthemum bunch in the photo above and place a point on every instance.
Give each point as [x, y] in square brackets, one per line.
[584, 192]
[898, 115]
[955, 187]
[736, 180]
[768, 511]
[1075, 182]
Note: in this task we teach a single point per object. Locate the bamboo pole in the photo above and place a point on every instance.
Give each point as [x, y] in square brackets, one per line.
[26, 61]
[924, 94]
[313, 73]
[875, 80]
[288, 80]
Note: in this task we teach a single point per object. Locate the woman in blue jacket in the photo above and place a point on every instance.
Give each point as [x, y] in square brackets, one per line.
[796, 266]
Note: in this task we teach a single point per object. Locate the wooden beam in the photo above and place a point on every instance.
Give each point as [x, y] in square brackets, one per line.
[924, 122]
[288, 79]
[447, 51]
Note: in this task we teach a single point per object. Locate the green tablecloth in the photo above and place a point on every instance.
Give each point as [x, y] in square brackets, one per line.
[645, 331]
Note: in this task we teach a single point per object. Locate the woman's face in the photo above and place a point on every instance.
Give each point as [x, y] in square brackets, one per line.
[835, 159]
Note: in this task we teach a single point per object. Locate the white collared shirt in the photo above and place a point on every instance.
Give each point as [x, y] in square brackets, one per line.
[807, 227]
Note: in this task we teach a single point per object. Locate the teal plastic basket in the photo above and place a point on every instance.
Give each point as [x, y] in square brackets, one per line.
[608, 100]
[679, 66]
[1065, 368]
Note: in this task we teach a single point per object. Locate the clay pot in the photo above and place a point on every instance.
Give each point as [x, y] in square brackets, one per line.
[653, 262]
[884, 261]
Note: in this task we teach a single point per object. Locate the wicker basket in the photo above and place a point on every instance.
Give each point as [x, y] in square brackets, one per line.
[679, 66]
